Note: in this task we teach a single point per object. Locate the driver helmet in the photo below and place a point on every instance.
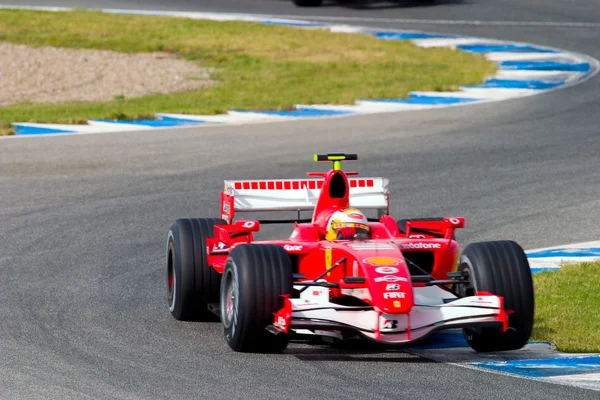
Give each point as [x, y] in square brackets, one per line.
[348, 224]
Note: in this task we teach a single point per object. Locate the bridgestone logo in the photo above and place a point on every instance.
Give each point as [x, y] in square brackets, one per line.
[421, 246]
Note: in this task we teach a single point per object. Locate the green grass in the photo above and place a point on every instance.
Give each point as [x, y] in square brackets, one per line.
[568, 308]
[258, 66]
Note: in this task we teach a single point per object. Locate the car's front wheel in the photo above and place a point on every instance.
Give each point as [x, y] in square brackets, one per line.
[256, 278]
[500, 268]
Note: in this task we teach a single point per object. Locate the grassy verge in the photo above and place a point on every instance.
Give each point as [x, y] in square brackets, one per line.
[258, 66]
[6, 128]
[568, 308]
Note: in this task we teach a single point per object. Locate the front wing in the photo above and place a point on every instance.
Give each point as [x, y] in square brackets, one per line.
[484, 309]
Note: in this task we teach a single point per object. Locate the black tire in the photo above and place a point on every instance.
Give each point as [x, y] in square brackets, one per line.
[191, 283]
[308, 3]
[501, 268]
[255, 278]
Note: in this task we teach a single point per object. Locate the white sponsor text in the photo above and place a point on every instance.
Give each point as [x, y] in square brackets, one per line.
[394, 295]
[421, 245]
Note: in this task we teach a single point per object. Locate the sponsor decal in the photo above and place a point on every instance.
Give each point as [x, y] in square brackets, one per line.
[421, 245]
[249, 224]
[482, 300]
[389, 324]
[354, 214]
[290, 247]
[371, 246]
[226, 208]
[217, 247]
[392, 286]
[397, 303]
[328, 260]
[391, 278]
[394, 295]
[281, 322]
[387, 270]
[387, 261]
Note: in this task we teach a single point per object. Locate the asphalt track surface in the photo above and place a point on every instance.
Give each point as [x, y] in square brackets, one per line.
[83, 222]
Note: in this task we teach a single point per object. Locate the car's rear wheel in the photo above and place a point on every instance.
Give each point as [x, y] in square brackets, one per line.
[255, 278]
[192, 284]
[500, 268]
[308, 3]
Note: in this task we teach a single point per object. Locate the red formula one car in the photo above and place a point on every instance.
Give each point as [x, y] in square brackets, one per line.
[340, 274]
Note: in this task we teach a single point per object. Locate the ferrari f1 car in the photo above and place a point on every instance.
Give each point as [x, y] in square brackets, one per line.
[341, 275]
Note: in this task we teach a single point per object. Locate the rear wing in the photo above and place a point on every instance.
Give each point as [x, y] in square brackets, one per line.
[297, 195]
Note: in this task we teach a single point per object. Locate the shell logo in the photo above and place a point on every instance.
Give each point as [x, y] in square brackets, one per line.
[382, 261]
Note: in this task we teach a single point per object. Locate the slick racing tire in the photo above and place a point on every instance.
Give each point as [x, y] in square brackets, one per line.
[255, 278]
[308, 3]
[191, 283]
[501, 268]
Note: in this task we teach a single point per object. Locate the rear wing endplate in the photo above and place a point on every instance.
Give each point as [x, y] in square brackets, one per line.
[297, 195]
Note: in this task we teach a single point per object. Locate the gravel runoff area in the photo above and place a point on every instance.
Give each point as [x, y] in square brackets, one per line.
[56, 75]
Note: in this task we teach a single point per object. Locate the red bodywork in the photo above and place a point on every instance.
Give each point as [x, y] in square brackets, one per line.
[383, 261]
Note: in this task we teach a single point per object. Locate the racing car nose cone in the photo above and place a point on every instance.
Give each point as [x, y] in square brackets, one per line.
[390, 284]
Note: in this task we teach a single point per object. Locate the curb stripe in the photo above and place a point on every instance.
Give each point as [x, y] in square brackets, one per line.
[517, 84]
[33, 130]
[422, 99]
[301, 113]
[544, 368]
[513, 48]
[155, 123]
[562, 252]
[394, 35]
[545, 66]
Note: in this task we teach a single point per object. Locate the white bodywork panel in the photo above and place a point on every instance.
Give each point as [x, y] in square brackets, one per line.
[429, 313]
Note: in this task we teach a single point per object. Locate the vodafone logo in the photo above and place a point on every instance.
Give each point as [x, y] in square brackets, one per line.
[421, 245]
[387, 270]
